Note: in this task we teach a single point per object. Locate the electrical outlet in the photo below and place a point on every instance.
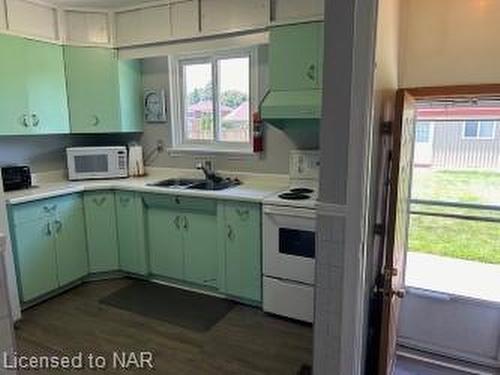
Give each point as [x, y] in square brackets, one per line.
[160, 146]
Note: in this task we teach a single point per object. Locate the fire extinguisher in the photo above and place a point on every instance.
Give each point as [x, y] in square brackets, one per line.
[258, 133]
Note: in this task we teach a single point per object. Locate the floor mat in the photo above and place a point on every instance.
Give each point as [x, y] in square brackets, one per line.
[190, 310]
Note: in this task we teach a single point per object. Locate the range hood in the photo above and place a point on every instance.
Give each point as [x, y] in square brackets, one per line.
[278, 107]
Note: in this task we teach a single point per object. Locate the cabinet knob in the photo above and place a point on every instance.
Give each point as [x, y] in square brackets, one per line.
[95, 120]
[24, 121]
[311, 72]
[35, 120]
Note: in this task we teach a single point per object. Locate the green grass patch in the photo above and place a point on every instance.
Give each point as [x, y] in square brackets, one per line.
[456, 238]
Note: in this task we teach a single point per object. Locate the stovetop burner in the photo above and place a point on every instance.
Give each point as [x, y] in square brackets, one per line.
[293, 196]
[301, 190]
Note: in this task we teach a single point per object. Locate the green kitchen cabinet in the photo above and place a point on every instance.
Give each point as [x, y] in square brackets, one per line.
[71, 243]
[102, 237]
[166, 251]
[49, 244]
[131, 233]
[296, 57]
[32, 88]
[182, 238]
[200, 247]
[47, 97]
[130, 81]
[241, 261]
[35, 258]
[93, 92]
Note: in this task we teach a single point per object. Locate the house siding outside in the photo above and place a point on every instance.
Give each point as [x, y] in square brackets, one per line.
[450, 150]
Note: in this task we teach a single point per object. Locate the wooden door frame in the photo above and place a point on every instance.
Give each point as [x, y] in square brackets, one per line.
[431, 92]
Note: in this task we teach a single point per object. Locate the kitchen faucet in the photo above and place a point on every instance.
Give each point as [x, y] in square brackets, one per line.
[210, 174]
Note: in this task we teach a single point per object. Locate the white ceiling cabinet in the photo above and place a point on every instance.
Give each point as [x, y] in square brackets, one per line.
[3, 18]
[233, 15]
[185, 19]
[297, 10]
[87, 28]
[144, 25]
[34, 19]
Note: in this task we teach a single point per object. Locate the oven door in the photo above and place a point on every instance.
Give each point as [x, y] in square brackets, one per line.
[289, 236]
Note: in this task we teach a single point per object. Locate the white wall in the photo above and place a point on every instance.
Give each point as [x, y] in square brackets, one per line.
[277, 142]
[449, 42]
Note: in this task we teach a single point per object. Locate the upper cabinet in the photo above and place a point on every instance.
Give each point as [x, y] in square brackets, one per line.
[233, 15]
[32, 19]
[284, 11]
[102, 90]
[158, 23]
[87, 28]
[93, 96]
[32, 88]
[296, 56]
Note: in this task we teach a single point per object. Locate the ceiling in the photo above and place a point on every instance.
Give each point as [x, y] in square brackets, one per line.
[105, 4]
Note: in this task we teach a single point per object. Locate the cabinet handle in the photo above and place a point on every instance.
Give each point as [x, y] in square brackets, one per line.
[124, 200]
[230, 232]
[177, 200]
[311, 72]
[243, 213]
[100, 201]
[186, 223]
[95, 120]
[177, 223]
[48, 231]
[24, 121]
[35, 120]
[59, 225]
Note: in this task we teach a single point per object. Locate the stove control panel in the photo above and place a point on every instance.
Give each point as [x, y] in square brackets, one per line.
[304, 165]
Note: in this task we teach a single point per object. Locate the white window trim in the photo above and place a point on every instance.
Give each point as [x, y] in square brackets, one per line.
[478, 137]
[179, 143]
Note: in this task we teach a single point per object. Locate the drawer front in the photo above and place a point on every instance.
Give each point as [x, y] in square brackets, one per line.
[180, 202]
[45, 208]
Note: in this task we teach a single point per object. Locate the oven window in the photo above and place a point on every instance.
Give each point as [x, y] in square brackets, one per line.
[299, 243]
[91, 163]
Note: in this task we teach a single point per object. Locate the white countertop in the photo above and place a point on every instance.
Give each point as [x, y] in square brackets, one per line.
[255, 187]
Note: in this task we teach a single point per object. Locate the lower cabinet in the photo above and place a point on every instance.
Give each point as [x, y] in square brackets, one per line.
[240, 232]
[182, 238]
[49, 244]
[102, 237]
[130, 230]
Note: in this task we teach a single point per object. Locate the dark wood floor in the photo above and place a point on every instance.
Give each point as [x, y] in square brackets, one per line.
[246, 341]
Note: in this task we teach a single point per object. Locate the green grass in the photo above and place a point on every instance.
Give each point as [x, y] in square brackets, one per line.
[463, 239]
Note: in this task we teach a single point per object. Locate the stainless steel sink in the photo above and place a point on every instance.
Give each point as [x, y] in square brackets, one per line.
[179, 183]
[196, 184]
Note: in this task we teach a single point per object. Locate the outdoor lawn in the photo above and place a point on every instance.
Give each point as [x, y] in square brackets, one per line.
[464, 239]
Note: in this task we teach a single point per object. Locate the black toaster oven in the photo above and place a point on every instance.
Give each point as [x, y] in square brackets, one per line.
[16, 177]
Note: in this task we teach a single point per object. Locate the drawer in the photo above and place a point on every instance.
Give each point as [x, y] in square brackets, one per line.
[180, 202]
[45, 208]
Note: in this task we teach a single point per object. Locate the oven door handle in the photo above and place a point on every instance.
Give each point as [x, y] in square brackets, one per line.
[288, 211]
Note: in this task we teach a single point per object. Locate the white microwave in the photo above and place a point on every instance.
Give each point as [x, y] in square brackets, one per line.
[97, 162]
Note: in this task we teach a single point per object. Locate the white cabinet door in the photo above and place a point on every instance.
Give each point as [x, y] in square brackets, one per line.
[147, 25]
[87, 27]
[31, 18]
[291, 10]
[229, 15]
[185, 19]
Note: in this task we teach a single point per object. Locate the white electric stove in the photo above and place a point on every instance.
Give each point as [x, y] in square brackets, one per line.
[289, 241]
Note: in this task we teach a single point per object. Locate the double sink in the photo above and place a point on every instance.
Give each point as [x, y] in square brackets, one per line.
[197, 184]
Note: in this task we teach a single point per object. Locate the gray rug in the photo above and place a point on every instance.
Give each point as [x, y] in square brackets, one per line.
[193, 311]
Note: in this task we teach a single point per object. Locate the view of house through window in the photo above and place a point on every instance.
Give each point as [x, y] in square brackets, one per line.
[216, 100]
[454, 237]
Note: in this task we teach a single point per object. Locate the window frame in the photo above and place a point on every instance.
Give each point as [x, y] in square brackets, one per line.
[478, 136]
[177, 97]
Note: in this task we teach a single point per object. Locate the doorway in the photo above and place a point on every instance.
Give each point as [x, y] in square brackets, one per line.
[438, 283]
[453, 258]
